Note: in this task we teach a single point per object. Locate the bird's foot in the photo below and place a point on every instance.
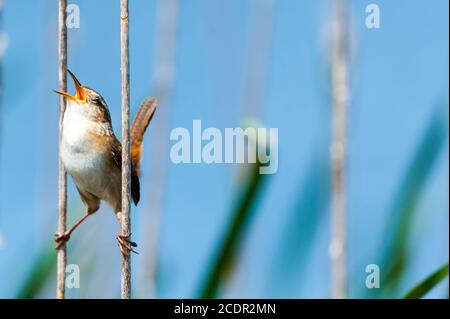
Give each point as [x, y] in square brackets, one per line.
[61, 240]
[126, 245]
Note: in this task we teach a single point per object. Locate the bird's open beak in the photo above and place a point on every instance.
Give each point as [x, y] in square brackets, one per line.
[80, 95]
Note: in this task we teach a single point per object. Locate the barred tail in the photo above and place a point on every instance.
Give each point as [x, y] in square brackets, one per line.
[140, 124]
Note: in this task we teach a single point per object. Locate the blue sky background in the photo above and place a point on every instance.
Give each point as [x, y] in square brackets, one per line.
[399, 76]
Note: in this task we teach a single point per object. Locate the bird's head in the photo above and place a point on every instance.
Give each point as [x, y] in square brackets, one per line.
[85, 100]
[80, 96]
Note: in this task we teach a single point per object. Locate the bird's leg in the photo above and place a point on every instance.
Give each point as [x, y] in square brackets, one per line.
[61, 239]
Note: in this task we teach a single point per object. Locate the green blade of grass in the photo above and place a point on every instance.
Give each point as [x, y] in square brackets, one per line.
[41, 271]
[302, 225]
[395, 257]
[243, 208]
[428, 283]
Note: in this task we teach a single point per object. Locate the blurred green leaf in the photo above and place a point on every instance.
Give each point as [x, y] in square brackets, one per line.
[302, 224]
[244, 206]
[395, 256]
[42, 269]
[427, 284]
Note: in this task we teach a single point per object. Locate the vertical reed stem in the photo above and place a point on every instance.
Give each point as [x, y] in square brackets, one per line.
[258, 57]
[62, 178]
[338, 150]
[125, 224]
[164, 79]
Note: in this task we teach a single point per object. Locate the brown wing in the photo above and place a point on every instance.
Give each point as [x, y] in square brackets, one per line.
[116, 150]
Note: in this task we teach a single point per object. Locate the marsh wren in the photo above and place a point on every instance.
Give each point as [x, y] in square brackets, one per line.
[92, 155]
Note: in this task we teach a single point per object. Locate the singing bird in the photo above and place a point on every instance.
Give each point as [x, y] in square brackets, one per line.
[92, 155]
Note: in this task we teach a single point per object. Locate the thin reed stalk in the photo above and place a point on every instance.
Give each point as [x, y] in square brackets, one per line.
[164, 78]
[257, 58]
[62, 176]
[125, 223]
[340, 95]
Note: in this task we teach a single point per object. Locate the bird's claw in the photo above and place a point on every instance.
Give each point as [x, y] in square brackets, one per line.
[61, 240]
[126, 245]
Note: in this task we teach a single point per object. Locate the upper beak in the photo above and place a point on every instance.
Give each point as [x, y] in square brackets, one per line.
[80, 95]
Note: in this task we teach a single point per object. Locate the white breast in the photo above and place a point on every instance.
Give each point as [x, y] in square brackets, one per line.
[78, 153]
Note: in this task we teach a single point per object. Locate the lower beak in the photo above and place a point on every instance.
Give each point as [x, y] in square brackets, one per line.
[80, 95]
